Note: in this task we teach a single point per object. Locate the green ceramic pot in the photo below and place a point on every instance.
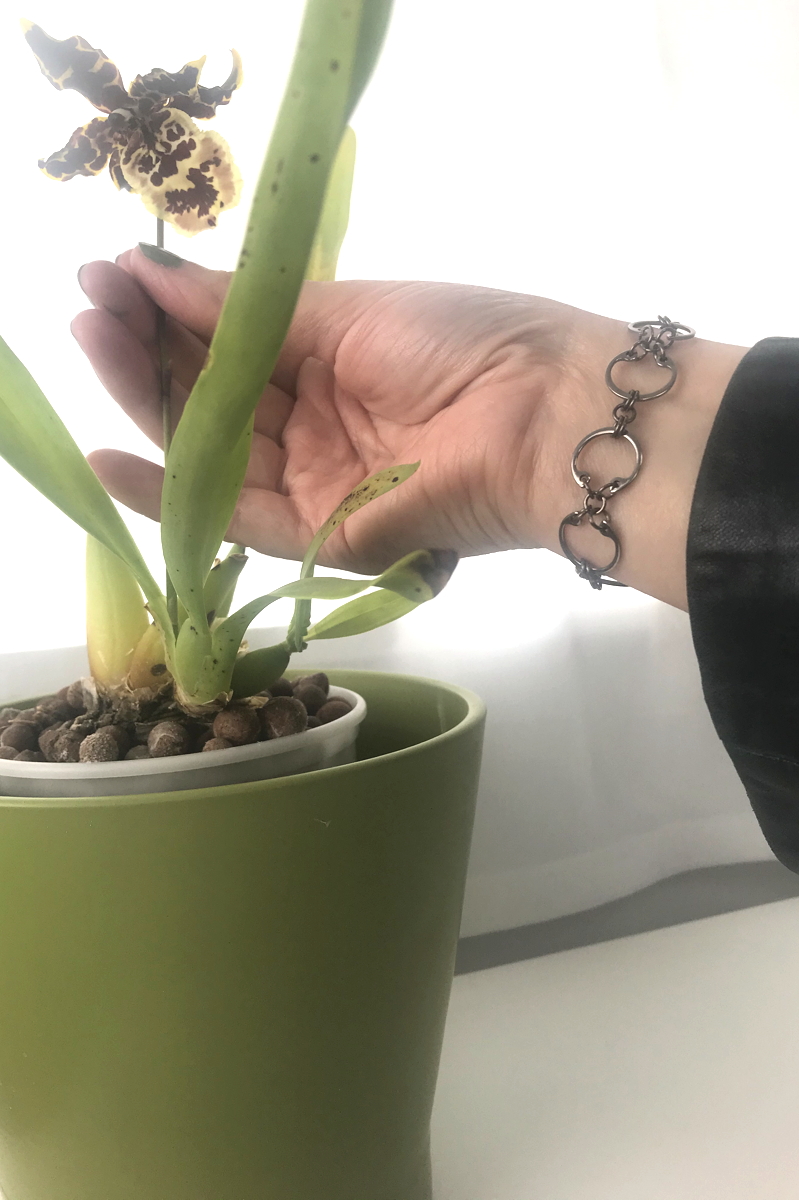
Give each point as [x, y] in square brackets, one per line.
[239, 993]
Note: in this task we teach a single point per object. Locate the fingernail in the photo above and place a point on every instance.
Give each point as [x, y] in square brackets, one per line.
[164, 258]
[80, 285]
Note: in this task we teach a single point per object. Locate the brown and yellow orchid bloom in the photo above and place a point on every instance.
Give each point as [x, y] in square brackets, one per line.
[147, 137]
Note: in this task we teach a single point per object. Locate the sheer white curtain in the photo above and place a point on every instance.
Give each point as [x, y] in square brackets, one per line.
[632, 157]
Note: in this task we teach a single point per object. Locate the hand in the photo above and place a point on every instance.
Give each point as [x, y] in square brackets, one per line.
[490, 390]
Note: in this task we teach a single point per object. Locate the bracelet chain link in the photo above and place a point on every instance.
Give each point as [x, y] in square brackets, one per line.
[655, 338]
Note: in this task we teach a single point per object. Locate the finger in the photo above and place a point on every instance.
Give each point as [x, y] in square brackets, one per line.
[133, 481]
[191, 294]
[107, 286]
[118, 293]
[137, 483]
[126, 370]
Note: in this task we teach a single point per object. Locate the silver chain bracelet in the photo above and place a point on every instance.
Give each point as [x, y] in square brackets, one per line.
[655, 338]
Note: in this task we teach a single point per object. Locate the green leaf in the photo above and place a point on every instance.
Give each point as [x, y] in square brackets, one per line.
[221, 583]
[37, 444]
[370, 489]
[259, 669]
[361, 615]
[411, 581]
[421, 575]
[116, 619]
[325, 588]
[336, 51]
[335, 213]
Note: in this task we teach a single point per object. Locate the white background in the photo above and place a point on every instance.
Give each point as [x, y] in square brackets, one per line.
[630, 157]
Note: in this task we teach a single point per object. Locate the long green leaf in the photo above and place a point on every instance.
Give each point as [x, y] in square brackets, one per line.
[116, 619]
[361, 615]
[221, 583]
[412, 581]
[338, 45]
[370, 489]
[37, 444]
[335, 213]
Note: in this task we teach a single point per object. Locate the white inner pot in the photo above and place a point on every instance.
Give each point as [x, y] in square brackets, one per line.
[326, 746]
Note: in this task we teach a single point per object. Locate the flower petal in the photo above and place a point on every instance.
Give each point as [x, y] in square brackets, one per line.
[86, 152]
[74, 64]
[214, 96]
[163, 86]
[187, 175]
[182, 89]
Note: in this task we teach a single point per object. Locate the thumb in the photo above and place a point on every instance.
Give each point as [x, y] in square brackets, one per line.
[189, 293]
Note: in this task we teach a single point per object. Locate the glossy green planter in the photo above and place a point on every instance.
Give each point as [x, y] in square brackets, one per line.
[239, 993]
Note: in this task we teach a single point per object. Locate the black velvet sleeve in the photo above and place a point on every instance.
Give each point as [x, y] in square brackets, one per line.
[743, 584]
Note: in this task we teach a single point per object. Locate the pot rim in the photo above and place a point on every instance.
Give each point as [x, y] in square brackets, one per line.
[475, 713]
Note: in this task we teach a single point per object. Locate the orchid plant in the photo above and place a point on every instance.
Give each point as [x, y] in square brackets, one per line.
[143, 639]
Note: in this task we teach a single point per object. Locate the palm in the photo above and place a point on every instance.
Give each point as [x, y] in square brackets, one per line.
[371, 374]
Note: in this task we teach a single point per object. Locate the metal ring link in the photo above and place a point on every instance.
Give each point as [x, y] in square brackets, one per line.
[622, 481]
[665, 362]
[681, 332]
[581, 564]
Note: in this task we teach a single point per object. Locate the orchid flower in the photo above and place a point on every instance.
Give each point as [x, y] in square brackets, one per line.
[147, 136]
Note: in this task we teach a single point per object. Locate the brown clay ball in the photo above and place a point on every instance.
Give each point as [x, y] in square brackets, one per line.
[281, 687]
[333, 710]
[314, 722]
[238, 725]
[311, 696]
[217, 743]
[7, 752]
[137, 752]
[66, 747]
[282, 716]
[19, 735]
[120, 736]
[167, 739]
[8, 714]
[75, 697]
[47, 741]
[31, 716]
[101, 746]
[318, 679]
[54, 709]
[30, 756]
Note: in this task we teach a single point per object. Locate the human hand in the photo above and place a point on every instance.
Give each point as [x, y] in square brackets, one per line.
[490, 390]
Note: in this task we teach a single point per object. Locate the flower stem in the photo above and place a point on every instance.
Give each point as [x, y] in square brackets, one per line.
[165, 393]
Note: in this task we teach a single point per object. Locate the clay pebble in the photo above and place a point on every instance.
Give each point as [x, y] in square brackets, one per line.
[7, 752]
[66, 747]
[101, 746]
[75, 696]
[19, 735]
[318, 679]
[311, 696]
[283, 716]
[333, 710]
[168, 739]
[238, 725]
[281, 687]
[137, 752]
[217, 743]
[30, 756]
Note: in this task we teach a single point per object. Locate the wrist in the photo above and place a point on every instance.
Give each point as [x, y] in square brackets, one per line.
[650, 516]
